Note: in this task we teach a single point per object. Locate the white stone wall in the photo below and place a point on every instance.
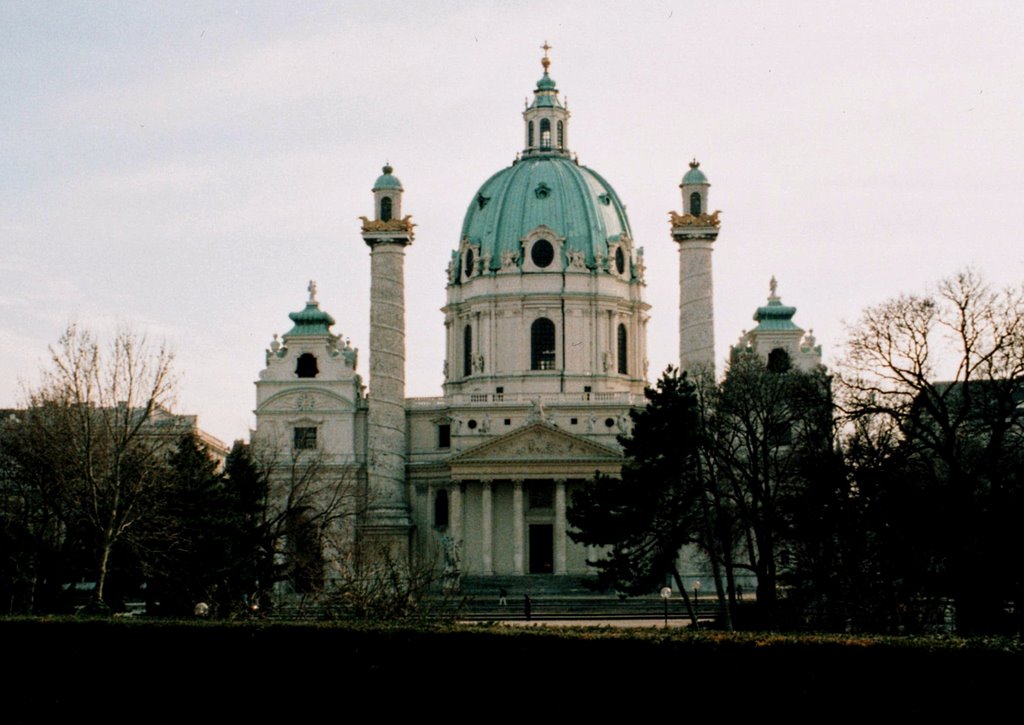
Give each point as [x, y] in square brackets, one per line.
[329, 402]
[586, 309]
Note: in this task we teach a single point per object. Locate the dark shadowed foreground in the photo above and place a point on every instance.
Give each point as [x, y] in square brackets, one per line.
[158, 671]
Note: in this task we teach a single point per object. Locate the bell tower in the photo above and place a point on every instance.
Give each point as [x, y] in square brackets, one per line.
[695, 230]
[387, 524]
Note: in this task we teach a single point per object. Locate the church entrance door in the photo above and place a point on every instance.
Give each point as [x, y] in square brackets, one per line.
[542, 544]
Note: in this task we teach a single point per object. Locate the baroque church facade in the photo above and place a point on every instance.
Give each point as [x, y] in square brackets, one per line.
[545, 330]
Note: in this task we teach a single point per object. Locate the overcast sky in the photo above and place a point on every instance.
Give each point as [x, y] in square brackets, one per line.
[186, 168]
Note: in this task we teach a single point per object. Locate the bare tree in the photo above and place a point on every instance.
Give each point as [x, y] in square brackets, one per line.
[92, 421]
[311, 512]
[314, 506]
[941, 376]
[764, 428]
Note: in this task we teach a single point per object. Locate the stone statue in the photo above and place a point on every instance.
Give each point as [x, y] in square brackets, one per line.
[536, 414]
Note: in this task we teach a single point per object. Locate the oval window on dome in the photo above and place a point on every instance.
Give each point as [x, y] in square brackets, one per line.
[469, 262]
[542, 253]
[620, 261]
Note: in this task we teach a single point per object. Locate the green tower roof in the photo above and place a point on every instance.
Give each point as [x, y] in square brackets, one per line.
[775, 316]
[311, 320]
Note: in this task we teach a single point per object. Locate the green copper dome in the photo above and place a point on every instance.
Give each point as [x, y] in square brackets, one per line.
[387, 181]
[695, 175]
[573, 201]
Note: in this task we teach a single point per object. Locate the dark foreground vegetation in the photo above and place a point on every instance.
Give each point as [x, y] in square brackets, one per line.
[152, 670]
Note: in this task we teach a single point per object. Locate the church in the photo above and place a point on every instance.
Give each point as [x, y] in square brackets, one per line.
[545, 327]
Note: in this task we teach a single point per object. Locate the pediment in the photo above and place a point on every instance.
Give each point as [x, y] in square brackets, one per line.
[541, 443]
[305, 400]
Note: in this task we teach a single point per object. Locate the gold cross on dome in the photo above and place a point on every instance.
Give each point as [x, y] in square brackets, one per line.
[545, 61]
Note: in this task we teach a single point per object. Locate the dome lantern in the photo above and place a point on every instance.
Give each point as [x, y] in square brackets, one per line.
[546, 119]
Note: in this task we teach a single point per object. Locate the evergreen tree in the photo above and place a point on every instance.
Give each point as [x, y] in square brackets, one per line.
[653, 510]
[252, 547]
[188, 554]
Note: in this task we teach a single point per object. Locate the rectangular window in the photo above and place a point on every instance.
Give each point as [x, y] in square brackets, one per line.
[305, 439]
[444, 435]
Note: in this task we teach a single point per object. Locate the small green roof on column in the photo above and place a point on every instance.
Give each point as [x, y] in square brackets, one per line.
[694, 175]
[387, 180]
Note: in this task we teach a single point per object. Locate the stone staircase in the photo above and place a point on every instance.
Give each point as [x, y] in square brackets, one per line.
[562, 598]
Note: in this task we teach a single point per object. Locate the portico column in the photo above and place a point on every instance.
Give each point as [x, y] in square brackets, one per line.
[559, 528]
[487, 537]
[517, 527]
[455, 501]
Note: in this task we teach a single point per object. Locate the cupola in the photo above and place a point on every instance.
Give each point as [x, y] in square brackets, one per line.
[546, 119]
[387, 196]
[695, 191]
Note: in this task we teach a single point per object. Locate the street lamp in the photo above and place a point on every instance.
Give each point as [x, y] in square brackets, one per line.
[666, 594]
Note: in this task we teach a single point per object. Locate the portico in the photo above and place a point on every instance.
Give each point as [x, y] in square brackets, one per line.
[506, 501]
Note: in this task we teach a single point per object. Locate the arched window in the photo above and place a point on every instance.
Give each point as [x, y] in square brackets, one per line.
[778, 360]
[385, 209]
[441, 508]
[305, 366]
[529, 134]
[620, 261]
[542, 344]
[467, 351]
[545, 134]
[695, 203]
[623, 359]
[561, 135]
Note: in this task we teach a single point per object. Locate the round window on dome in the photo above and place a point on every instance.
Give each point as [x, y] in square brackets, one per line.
[542, 253]
[469, 262]
[620, 261]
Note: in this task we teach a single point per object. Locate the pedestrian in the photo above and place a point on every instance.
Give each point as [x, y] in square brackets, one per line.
[527, 606]
[503, 597]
